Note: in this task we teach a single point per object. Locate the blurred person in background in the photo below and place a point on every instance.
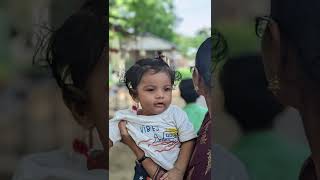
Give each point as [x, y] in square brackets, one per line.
[195, 112]
[290, 48]
[253, 106]
[76, 56]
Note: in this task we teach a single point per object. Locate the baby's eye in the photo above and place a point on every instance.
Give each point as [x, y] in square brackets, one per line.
[168, 89]
[149, 89]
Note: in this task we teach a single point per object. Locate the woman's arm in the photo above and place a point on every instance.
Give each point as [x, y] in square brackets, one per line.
[154, 170]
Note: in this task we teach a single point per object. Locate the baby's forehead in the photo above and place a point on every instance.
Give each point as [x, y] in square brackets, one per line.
[155, 74]
[153, 77]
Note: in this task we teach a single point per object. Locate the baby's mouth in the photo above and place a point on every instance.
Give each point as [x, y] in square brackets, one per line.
[160, 104]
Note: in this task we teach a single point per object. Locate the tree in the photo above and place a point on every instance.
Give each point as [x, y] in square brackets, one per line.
[188, 45]
[142, 16]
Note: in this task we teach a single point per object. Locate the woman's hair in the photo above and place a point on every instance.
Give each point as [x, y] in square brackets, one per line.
[135, 73]
[203, 61]
[210, 53]
[74, 49]
[299, 24]
[246, 95]
[220, 48]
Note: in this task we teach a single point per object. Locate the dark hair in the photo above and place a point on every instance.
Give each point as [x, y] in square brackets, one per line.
[187, 91]
[210, 53]
[134, 74]
[220, 49]
[203, 61]
[75, 48]
[247, 97]
[302, 30]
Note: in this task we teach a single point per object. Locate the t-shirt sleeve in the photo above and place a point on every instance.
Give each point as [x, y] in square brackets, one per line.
[114, 132]
[186, 130]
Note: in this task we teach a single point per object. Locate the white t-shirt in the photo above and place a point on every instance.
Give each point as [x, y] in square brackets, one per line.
[57, 165]
[159, 136]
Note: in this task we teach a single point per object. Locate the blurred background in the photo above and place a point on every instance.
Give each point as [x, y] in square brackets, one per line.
[33, 117]
[142, 28]
[235, 19]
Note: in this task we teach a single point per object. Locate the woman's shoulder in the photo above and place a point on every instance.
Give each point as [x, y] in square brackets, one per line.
[57, 164]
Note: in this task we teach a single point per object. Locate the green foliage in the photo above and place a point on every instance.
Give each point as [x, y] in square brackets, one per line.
[240, 37]
[141, 16]
[185, 73]
[156, 17]
[188, 45]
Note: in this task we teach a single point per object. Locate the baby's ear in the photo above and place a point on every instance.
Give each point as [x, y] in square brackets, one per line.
[80, 113]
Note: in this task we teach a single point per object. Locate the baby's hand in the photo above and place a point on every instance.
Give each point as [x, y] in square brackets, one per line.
[173, 174]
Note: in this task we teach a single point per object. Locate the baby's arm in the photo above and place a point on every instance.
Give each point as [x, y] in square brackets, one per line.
[184, 155]
[187, 138]
[182, 162]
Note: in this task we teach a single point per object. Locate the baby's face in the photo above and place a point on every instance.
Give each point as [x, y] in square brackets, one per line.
[154, 92]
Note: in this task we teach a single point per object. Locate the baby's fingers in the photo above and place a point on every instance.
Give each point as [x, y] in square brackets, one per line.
[123, 128]
[165, 176]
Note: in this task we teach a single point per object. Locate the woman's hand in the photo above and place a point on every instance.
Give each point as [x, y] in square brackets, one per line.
[125, 136]
[127, 139]
[173, 174]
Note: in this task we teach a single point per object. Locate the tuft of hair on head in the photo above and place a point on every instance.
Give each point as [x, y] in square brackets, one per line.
[160, 55]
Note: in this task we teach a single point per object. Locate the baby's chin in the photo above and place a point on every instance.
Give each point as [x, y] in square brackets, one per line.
[157, 111]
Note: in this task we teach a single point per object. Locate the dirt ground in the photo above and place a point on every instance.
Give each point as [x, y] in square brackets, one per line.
[121, 163]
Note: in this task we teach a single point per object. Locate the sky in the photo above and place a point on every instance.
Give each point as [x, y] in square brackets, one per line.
[195, 15]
